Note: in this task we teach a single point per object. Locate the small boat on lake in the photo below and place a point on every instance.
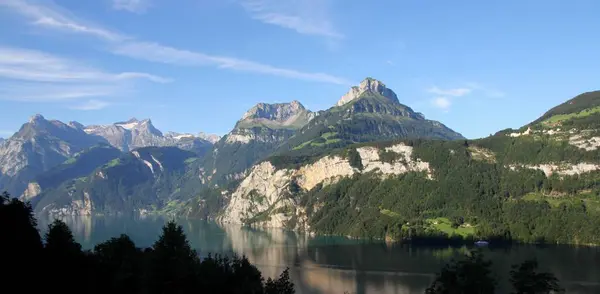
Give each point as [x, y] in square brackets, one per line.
[482, 243]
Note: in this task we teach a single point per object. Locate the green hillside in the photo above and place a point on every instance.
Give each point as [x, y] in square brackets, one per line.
[370, 118]
[482, 198]
[580, 103]
[77, 166]
[146, 178]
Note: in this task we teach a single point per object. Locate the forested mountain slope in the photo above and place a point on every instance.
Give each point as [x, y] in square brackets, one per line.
[145, 179]
[541, 184]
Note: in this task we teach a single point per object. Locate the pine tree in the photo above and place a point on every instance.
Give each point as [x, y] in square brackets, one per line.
[174, 264]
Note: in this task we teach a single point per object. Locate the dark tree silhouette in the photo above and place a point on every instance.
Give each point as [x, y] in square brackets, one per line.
[119, 265]
[68, 268]
[173, 263]
[469, 276]
[18, 227]
[60, 240]
[283, 285]
[526, 280]
[20, 243]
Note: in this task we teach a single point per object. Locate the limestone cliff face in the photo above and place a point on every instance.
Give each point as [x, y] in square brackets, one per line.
[283, 115]
[260, 131]
[265, 198]
[368, 85]
[82, 207]
[561, 169]
[33, 189]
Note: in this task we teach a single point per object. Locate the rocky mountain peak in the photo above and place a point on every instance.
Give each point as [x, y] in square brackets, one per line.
[145, 126]
[279, 112]
[209, 137]
[76, 125]
[368, 85]
[37, 118]
[130, 124]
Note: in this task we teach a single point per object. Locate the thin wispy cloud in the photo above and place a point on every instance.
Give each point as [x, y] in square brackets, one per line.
[35, 76]
[456, 92]
[490, 92]
[56, 92]
[163, 54]
[91, 105]
[308, 17]
[135, 6]
[54, 18]
[32, 65]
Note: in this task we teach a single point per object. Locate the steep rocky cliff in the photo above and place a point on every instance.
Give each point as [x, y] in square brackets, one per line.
[268, 195]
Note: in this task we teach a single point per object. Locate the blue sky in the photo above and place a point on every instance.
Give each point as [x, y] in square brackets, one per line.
[198, 65]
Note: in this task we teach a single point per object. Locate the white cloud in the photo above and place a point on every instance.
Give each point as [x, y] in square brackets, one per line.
[54, 18]
[456, 92]
[164, 54]
[445, 96]
[91, 105]
[441, 103]
[31, 65]
[56, 92]
[127, 46]
[309, 17]
[490, 92]
[135, 6]
[35, 76]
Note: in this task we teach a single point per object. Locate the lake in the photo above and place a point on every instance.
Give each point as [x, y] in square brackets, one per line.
[339, 265]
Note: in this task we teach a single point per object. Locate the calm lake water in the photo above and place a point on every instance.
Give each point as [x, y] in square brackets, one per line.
[338, 265]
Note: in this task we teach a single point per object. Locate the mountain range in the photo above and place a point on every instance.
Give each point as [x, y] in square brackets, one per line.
[42, 144]
[368, 166]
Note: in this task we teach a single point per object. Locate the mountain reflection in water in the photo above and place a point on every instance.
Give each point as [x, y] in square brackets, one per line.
[338, 265]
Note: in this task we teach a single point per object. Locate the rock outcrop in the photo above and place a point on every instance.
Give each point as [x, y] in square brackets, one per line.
[368, 85]
[291, 115]
[256, 135]
[265, 197]
[561, 169]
